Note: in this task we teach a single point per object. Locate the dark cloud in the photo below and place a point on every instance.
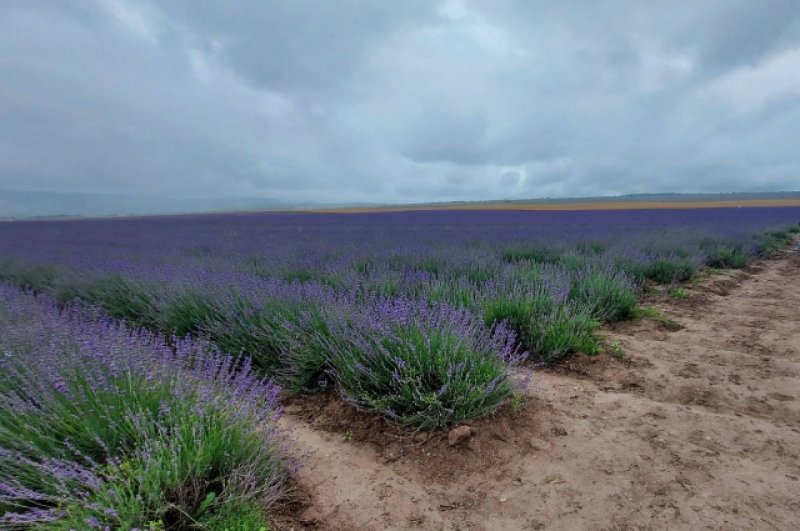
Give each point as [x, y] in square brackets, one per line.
[398, 101]
[438, 136]
[300, 46]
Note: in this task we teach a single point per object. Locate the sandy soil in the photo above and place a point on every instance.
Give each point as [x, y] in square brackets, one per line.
[698, 428]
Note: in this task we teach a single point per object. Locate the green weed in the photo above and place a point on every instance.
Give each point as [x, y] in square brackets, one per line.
[648, 312]
[616, 350]
[678, 293]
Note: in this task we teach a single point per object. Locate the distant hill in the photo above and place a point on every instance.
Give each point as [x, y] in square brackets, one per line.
[650, 198]
[27, 204]
[670, 198]
[620, 202]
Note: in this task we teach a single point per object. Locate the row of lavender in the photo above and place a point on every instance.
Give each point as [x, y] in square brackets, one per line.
[417, 315]
[104, 427]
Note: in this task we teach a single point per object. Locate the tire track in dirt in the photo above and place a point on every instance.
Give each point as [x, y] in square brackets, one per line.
[699, 429]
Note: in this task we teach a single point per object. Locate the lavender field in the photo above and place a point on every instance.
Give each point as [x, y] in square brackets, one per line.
[144, 359]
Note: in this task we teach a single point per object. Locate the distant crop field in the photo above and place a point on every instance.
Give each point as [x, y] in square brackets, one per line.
[589, 205]
[146, 359]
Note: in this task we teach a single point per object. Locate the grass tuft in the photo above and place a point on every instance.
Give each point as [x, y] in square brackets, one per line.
[648, 312]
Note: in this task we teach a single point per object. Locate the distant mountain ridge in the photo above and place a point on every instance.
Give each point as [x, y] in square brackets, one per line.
[660, 197]
[16, 204]
[28, 204]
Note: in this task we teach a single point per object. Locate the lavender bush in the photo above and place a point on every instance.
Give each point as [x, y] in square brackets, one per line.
[422, 365]
[608, 293]
[280, 288]
[280, 326]
[109, 427]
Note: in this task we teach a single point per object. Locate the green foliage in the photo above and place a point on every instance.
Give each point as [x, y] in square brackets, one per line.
[572, 262]
[548, 331]
[517, 400]
[429, 265]
[678, 293]
[591, 248]
[590, 345]
[475, 274]
[186, 313]
[567, 329]
[730, 257]
[517, 312]
[238, 325]
[726, 254]
[37, 278]
[283, 338]
[192, 447]
[363, 266]
[239, 517]
[389, 287]
[452, 292]
[539, 254]
[58, 282]
[607, 296]
[616, 350]
[648, 312]
[303, 361]
[308, 275]
[663, 270]
[123, 299]
[424, 373]
[65, 292]
[299, 275]
[669, 271]
[777, 239]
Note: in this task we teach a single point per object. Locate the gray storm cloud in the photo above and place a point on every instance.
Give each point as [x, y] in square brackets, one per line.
[399, 101]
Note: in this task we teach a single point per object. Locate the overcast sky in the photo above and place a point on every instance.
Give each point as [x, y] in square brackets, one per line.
[340, 101]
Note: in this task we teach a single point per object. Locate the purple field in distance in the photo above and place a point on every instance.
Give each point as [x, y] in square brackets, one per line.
[187, 274]
[420, 317]
[304, 238]
[274, 285]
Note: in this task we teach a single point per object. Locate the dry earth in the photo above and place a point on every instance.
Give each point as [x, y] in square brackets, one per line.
[698, 428]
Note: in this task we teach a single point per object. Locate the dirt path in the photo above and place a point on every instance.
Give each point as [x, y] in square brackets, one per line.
[700, 428]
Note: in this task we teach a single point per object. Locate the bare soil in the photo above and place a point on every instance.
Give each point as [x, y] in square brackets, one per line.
[697, 427]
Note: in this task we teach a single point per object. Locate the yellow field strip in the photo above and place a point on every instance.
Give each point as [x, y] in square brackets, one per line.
[610, 205]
